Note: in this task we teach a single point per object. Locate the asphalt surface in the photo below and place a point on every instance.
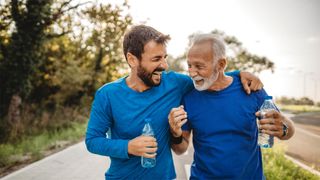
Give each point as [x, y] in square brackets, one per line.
[305, 144]
[76, 163]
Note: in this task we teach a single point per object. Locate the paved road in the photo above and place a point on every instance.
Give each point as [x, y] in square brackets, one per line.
[76, 163]
[73, 163]
[305, 145]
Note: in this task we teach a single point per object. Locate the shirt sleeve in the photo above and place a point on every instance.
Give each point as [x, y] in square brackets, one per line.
[99, 123]
[184, 82]
[233, 73]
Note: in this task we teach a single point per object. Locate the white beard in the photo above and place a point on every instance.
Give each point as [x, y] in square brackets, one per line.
[207, 82]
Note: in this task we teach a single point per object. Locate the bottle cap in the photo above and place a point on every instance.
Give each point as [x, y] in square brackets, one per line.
[268, 97]
[147, 120]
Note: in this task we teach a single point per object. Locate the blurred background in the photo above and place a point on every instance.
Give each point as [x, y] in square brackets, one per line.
[54, 55]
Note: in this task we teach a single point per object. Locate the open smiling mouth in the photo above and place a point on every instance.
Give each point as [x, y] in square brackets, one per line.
[157, 73]
[198, 81]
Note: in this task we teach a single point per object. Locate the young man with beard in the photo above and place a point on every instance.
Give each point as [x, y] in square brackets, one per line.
[221, 117]
[123, 105]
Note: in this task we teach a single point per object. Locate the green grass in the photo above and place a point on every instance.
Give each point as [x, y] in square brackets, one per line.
[33, 148]
[277, 167]
[299, 108]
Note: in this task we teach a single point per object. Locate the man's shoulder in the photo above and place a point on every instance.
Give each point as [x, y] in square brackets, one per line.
[174, 75]
[111, 86]
[192, 94]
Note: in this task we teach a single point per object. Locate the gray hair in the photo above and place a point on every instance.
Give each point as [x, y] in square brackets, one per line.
[218, 45]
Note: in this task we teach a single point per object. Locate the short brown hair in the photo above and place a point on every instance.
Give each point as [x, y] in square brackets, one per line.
[138, 36]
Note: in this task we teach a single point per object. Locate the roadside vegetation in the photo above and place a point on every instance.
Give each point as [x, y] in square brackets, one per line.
[297, 109]
[278, 167]
[298, 106]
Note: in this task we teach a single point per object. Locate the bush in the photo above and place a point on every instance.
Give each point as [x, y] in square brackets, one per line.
[278, 167]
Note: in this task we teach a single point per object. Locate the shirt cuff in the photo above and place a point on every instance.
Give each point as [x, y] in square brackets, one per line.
[233, 73]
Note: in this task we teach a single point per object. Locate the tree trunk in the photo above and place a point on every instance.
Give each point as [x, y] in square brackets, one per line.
[14, 115]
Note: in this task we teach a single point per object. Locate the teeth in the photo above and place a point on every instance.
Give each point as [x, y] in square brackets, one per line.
[157, 73]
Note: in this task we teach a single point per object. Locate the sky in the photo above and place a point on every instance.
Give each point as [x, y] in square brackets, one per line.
[285, 31]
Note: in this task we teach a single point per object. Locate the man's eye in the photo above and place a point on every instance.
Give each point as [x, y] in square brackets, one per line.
[199, 67]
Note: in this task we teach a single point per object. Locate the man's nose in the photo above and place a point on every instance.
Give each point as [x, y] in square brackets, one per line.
[192, 73]
[164, 64]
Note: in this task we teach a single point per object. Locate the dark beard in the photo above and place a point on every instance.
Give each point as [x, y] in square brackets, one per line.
[146, 77]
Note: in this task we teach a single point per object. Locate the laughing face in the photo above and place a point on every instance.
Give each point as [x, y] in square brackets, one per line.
[150, 78]
[201, 66]
[152, 64]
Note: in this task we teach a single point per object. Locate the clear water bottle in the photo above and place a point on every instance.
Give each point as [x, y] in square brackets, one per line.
[147, 131]
[265, 140]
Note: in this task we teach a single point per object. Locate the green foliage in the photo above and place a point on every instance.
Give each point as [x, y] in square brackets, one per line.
[292, 101]
[52, 56]
[299, 108]
[277, 167]
[176, 64]
[104, 45]
[32, 148]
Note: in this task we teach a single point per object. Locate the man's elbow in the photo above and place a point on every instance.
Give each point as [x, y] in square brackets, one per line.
[178, 150]
[89, 144]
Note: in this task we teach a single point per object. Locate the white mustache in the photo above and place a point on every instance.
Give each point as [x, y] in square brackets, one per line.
[197, 78]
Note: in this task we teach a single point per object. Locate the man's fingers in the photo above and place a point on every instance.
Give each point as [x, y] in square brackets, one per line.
[174, 110]
[181, 123]
[270, 127]
[273, 133]
[266, 121]
[149, 155]
[178, 112]
[148, 139]
[180, 117]
[150, 150]
[151, 144]
[256, 85]
[246, 87]
[271, 112]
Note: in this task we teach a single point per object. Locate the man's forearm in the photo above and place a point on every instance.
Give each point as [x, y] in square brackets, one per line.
[180, 148]
[107, 147]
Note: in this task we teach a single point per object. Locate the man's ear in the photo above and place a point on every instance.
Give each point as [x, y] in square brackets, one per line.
[222, 64]
[132, 60]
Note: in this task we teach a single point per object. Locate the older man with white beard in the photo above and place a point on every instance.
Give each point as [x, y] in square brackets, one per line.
[221, 117]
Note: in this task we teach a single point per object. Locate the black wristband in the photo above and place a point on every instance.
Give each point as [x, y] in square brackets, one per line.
[284, 130]
[176, 140]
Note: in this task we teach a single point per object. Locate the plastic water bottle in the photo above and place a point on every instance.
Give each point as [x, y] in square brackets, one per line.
[148, 131]
[265, 140]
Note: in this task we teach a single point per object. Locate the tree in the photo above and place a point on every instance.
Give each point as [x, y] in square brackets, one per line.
[104, 45]
[26, 24]
[240, 58]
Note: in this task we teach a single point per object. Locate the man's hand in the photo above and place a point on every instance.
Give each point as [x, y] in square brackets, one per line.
[272, 123]
[250, 82]
[145, 146]
[177, 117]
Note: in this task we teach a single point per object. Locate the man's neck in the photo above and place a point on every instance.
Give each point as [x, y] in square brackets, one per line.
[135, 83]
[221, 83]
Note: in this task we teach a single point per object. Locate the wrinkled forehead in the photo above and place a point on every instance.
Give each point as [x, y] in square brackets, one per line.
[200, 51]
